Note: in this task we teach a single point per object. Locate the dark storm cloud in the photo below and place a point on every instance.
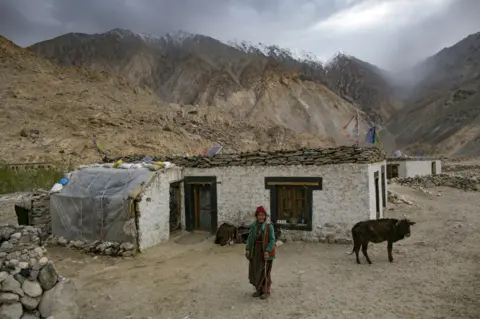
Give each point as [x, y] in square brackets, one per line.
[390, 33]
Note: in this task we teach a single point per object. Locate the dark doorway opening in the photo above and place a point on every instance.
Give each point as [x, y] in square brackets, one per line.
[201, 203]
[175, 207]
[434, 168]
[377, 195]
[384, 188]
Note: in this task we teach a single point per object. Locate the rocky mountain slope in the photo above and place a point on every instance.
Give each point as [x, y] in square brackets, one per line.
[364, 84]
[442, 112]
[51, 113]
[259, 83]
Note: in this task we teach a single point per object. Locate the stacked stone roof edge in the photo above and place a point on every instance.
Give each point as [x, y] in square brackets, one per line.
[406, 158]
[305, 156]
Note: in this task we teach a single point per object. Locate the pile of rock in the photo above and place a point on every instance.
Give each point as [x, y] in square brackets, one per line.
[459, 168]
[37, 292]
[30, 285]
[19, 246]
[398, 199]
[107, 248]
[325, 156]
[455, 181]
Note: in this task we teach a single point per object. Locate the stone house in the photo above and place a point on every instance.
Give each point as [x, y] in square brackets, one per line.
[403, 167]
[311, 194]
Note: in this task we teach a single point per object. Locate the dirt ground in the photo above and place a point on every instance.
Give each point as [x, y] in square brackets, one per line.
[435, 274]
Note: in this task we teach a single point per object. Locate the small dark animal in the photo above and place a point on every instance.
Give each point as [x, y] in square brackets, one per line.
[377, 231]
[226, 233]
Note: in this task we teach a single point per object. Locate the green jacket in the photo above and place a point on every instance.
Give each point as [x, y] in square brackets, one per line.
[251, 239]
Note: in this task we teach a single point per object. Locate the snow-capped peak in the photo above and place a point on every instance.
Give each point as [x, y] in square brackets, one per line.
[274, 51]
[336, 58]
[177, 37]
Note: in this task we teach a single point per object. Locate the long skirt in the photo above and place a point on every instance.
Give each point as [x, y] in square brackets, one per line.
[256, 270]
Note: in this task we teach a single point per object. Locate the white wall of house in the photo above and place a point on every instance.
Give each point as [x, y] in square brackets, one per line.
[154, 227]
[372, 169]
[418, 168]
[344, 200]
[412, 168]
[438, 165]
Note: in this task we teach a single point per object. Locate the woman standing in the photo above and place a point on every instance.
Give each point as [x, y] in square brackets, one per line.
[260, 252]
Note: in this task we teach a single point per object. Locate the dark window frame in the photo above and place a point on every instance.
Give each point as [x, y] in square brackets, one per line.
[310, 183]
[390, 170]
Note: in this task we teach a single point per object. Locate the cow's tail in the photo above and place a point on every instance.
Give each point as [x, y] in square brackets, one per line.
[353, 238]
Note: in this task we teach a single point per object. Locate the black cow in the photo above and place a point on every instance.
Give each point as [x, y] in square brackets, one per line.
[377, 231]
[226, 233]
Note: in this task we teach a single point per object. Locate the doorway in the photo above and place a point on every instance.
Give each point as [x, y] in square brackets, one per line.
[377, 195]
[201, 203]
[175, 207]
[384, 188]
[434, 168]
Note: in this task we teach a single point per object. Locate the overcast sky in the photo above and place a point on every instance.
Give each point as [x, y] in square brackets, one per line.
[388, 33]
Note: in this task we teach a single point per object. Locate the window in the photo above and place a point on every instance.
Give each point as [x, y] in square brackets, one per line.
[392, 171]
[291, 200]
[292, 204]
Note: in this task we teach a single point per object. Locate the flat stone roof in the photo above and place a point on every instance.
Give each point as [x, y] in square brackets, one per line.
[320, 156]
[407, 158]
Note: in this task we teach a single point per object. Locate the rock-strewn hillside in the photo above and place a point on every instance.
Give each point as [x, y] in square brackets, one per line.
[51, 113]
[269, 85]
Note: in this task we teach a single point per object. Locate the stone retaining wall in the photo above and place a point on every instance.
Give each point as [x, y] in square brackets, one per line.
[460, 182]
[459, 168]
[338, 155]
[107, 248]
[30, 286]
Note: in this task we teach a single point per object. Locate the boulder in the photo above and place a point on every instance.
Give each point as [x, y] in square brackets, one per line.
[30, 303]
[32, 288]
[11, 311]
[48, 276]
[11, 285]
[8, 297]
[60, 302]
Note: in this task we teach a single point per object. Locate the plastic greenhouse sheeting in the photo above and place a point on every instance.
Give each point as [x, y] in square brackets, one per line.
[96, 203]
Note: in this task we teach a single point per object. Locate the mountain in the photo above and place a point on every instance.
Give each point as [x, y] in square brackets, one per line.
[363, 83]
[259, 83]
[442, 109]
[52, 113]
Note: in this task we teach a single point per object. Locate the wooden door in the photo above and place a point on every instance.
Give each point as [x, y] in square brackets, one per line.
[201, 203]
[202, 207]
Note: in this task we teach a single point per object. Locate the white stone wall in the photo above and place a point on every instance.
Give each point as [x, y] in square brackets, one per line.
[372, 169]
[344, 200]
[412, 168]
[419, 168]
[438, 164]
[154, 208]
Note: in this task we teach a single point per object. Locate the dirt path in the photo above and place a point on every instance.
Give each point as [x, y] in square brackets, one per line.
[435, 274]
